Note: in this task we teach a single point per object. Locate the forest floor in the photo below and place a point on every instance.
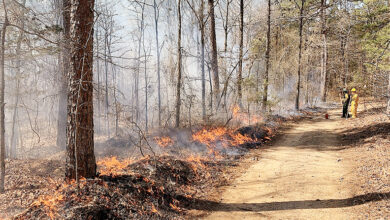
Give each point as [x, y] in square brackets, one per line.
[317, 169]
[312, 169]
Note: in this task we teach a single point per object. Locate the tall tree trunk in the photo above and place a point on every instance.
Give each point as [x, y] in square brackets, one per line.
[146, 86]
[240, 62]
[226, 26]
[324, 52]
[211, 88]
[107, 103]
[80, 160]
[226, 30]
[2, 103]
[62, 101]
[300, 54]
[18, 72]
[156, 17]
[114, 75]
[98, 129]
[136, 89]
[214, 51]
[202, 62]
[12, 146]
[178, 87]
[267, 58]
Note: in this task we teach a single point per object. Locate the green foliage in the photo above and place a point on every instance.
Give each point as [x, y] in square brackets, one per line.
[374, 29]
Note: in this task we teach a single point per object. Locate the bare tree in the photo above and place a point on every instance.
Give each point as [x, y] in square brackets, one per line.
[301, 11]
[80, 160]
[240, 61]
[179, 67]
[214, 51]
[62, 101]
[324, 52]
[267, 58]
[12, 146]
[156, 18]
[2, 103]
[199, 14]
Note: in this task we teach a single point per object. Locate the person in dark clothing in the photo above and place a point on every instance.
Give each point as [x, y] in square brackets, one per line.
[345, 101]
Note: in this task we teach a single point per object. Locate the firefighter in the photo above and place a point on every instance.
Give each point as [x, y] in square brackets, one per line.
[345, 101]
[354, 103]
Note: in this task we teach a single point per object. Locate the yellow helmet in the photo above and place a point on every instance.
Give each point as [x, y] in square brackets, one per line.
[353, 90]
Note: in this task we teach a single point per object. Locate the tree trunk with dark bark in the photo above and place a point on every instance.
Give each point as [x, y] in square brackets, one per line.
[240, 61]
[324, 52]
[179, 60]
[214, 51]
[202, 62]
[156, 17]
[301, 10]
[267, 59]
[80, 160]
[2, 103]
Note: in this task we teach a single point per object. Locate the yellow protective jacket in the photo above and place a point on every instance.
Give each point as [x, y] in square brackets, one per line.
[354, 105]
[355, 100]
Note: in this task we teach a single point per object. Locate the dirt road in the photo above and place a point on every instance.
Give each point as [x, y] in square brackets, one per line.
[302, 176]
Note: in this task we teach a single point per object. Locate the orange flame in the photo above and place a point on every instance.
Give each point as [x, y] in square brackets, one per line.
[174, 207]
[221, 134]
[154, 210]
[50, 202]
[224, 136]
[163, 141]
[112, 166]
[245, 117]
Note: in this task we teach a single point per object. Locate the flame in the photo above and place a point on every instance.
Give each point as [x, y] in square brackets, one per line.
[174, 207]
[154, 210]
[196, 162]
[236, 110]
[244, 117]
[239, 139]
[112, 166]
[221, 134]
[163, 141]
[210, 136]
[50, 202]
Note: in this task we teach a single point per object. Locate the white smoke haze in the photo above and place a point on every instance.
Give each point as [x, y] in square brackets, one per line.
[125, 59]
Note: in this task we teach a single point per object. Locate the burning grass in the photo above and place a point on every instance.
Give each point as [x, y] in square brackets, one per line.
[163, 141]
[157, 188]
[153, 187]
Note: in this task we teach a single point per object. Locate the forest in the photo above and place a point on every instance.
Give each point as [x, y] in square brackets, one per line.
[147, 109]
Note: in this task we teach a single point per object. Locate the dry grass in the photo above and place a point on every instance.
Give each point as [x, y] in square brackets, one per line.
[367, 140]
